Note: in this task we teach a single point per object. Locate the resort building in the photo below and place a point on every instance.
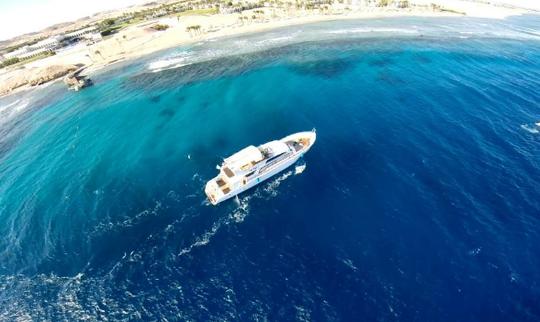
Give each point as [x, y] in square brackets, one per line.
[53, 43]
[81, 32]
[49, 44]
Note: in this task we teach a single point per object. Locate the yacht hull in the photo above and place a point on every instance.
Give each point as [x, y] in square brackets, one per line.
[257, 180]
[265, 172]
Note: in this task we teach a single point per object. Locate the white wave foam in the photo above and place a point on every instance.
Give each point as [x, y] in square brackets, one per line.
[186, 58]
[178, 60]
[279, 39]
[374, 30]
[128, 222]
[13, 109]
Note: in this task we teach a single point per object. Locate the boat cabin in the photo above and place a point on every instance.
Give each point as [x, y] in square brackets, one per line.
[239, 167]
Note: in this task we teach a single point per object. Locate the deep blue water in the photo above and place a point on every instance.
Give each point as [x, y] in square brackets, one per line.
[419, 202]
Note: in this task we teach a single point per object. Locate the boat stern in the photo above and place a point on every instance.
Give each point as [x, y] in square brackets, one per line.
[212, 191]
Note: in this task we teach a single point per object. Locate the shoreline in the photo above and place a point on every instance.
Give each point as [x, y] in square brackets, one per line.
[138, 40]
[253, 29]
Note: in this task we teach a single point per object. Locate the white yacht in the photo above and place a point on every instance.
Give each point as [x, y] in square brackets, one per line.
[252, 165]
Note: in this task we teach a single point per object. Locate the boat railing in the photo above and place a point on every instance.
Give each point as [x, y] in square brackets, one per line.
[273, 162]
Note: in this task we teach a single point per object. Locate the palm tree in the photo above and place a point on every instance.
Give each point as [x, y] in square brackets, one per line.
[90, 57]
[97, 52]
[194, 28]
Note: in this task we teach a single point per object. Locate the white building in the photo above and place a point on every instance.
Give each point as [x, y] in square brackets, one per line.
[52, 43]
[42, 46]
[81, 32]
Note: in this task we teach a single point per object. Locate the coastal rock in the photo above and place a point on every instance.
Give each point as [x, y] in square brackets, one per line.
[51, 72]
[32, 76]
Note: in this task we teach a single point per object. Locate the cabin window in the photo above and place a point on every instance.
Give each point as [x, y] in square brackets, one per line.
[250, 174]
[273, 158]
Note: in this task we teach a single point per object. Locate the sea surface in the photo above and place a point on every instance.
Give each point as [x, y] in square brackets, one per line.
[420, 200]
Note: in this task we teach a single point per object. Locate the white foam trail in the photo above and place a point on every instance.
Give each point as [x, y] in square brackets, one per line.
[240, 213]
[299, 169]
[349, 263]
[204, 239]
[529, 129]
[271, 188]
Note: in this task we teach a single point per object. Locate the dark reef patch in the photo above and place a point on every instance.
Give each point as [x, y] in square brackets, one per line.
[389, 78]
[380, 62]
[190, 74]
[421, 59]
[155, 99]
[167, 113]
[327, 68]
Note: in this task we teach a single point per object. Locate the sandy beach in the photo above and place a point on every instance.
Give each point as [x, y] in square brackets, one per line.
[141, 39]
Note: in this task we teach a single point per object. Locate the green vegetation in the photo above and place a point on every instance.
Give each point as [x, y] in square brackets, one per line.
[10, 61]
[15, 60]
[452, 11]
[106, 24]
[194, 30]
[21, 45]
[193, 12]
[159, 27]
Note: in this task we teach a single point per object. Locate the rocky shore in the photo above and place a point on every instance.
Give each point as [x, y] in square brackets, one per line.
[33, 76]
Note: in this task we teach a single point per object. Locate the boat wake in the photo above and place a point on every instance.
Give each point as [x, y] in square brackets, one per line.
[271, 188]
[204, 239]
[239, 213]
[299, 169]
[531, 129]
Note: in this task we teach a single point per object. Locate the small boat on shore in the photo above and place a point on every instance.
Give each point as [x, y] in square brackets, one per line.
[252, 165]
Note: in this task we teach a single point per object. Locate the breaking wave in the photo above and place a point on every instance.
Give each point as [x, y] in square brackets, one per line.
[11, 110]
[373, 30]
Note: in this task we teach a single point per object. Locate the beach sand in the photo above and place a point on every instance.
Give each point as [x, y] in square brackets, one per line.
[141, 39]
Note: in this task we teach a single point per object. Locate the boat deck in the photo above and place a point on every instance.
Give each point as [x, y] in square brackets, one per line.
[295, 145]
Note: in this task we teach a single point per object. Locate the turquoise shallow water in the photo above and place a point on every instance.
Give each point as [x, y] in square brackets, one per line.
[419, 200]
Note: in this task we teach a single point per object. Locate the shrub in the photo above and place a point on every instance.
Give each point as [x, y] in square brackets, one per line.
[160, 27]
[10, 61]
